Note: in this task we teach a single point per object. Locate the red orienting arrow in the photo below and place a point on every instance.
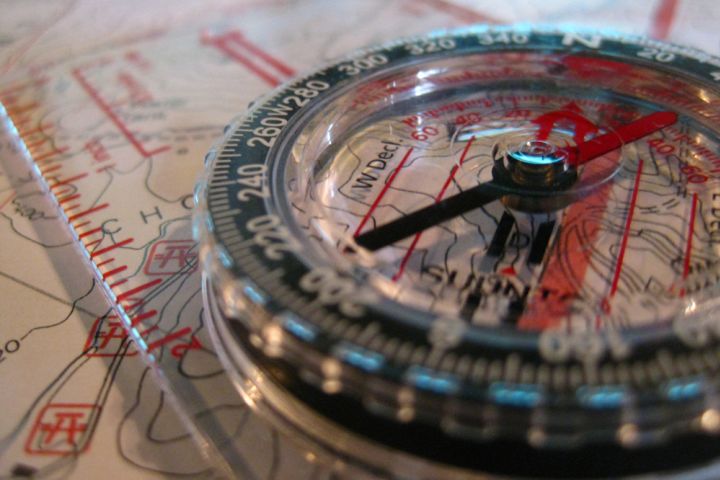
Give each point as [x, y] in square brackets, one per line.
[598, 146]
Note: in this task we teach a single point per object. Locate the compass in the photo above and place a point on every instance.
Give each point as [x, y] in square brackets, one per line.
[489, 251]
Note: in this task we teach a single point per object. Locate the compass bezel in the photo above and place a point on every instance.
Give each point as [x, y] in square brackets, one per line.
[258, 285]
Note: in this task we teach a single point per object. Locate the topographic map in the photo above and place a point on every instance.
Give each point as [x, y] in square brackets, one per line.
[106, 112]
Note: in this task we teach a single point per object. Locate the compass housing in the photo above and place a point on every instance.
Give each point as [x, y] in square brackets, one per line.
[569, 313]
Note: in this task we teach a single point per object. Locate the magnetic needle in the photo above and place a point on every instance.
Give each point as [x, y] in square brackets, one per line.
[490, 251]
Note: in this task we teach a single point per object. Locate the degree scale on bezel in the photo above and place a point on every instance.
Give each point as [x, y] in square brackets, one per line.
[564, 300]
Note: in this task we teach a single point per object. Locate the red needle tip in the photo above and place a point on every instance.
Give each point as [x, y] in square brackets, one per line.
[598, 146]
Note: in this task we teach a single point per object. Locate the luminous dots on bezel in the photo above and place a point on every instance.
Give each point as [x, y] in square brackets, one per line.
[253, 293]
[237, 296]
[273, 336]
[536, 434]
[231, 302]
[332, 370]
[256, 341]
[406, 405]
[536, 437]
[207, 256]
[338, 467]
[710, 420]
[296, 327]
[628, 434]
[250, 393]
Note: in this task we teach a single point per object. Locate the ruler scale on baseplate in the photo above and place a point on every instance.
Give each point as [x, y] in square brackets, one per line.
[72, 172]
[137, 239]
[67, 181]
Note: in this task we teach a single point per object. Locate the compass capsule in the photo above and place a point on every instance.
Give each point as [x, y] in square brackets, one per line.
[451, 260]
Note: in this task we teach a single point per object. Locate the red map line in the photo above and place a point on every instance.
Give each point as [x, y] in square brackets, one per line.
[7, 200]
[623, 247]
[78, 226]
[90, 232]
[97, 253]
[118, 283]
[460, 13]
[24, 109]
[663, 19]
[138, 289]
[270, 79]
[382, 193]
[88, 211]
[21, 86]
[439, 197]
[234, 45]
[134, 321]
[108, 111]
[51, 168]
[93, 244]
[264, 56]
[33, 131]
[37, 143]
[168, 339]
[105, 262]
[626, 231]
[68, 198]
[688, 246]
[67, 181]
[50, 154]
[114, 271]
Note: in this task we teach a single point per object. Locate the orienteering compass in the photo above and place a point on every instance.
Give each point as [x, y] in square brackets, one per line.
[485, 252]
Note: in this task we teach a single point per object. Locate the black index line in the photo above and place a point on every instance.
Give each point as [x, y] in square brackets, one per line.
[540, 242]
[502, 232]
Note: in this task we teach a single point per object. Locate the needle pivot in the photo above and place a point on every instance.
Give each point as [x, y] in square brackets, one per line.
[536, 164]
